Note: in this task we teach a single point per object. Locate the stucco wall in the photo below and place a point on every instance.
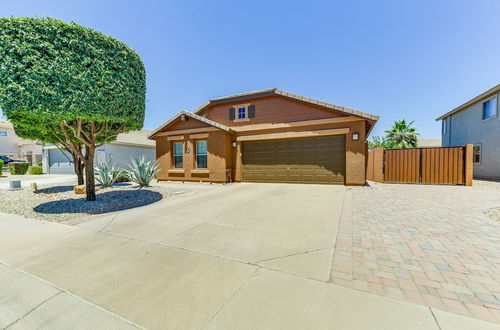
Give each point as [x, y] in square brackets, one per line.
[268, 110]
[467, 126]
[121, 155]
[8, 144]
[218, 158]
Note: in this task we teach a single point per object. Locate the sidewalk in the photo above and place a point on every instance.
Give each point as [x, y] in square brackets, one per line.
[64, 276]
[27, 179]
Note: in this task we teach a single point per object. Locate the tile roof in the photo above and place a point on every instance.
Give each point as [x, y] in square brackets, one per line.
[135, 138]
[429, 143]
[260, 93]
[275, 91]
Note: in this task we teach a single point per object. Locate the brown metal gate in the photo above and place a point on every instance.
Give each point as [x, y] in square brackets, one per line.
[402, 165]
[425, 165]
[443, 165]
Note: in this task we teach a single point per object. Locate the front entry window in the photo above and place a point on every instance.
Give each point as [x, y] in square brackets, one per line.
[178, 155]
[201, 154]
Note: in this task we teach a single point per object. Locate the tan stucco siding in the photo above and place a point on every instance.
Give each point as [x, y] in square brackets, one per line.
[269, 110]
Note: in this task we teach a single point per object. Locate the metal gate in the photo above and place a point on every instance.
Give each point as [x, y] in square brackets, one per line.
[425, 165]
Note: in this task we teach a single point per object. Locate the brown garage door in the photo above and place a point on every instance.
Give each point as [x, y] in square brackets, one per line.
[305, 160]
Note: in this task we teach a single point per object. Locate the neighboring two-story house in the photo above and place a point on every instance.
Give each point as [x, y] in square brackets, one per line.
[265, 136]
[476, 122]
[15, 147]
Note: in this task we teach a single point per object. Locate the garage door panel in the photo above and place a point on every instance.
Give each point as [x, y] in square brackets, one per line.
[306, 160]
[59, 162]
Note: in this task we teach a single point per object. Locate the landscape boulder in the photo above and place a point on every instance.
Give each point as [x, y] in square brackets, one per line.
[79, 189]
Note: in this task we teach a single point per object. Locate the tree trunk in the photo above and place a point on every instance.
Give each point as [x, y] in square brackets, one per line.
[79, 169]
[89, 173]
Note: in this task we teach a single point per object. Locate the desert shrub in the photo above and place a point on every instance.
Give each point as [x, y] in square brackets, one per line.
[142, 171]
[18, 168]
[106, 175]
[35, 170]
[123, 177]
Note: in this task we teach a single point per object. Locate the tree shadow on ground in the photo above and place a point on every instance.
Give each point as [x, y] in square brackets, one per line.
[61, 189]
[105, 202]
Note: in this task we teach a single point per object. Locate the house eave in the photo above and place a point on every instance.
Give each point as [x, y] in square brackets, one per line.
[475, 100]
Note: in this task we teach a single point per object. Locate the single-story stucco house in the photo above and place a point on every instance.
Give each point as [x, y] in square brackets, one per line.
[476, 122]
[118, 153]
[429, 143]
[15, 147]
[265, 136]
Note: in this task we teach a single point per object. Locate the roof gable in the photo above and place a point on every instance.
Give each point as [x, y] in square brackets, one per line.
[274, 91]
[190, 115]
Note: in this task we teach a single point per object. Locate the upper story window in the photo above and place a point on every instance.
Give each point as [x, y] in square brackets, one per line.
[178, 152]
[490, 108]
[242, 113]
[201, 154]
[444, 124]
[476, 155]
[3, 133]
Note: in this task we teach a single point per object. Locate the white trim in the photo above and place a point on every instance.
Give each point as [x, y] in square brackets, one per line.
[480, 153]
[496, 108]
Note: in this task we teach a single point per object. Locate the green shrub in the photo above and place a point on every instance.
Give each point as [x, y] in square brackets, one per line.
[18, 168]
[106, 176]
[1, 166]
[35, 170]
[142, 171]
[123, 177]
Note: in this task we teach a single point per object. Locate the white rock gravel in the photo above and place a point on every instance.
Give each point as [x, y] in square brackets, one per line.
[60, 203]
[493, 213]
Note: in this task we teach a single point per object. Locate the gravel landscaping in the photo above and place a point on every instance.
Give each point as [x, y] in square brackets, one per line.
[60, 203]
[493, 213]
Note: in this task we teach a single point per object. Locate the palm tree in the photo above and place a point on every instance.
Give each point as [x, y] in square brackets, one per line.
[402, 135]
[380, 142]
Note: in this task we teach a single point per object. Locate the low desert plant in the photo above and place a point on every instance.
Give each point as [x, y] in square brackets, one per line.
[35, 170]
[123, 177]
[142, 171]
[106, 175]
[18, 168]
[1, 166]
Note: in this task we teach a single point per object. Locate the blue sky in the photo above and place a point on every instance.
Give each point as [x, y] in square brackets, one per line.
[396, 59]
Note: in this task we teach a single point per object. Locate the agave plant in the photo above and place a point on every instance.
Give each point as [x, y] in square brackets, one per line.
[142, 171]
[106, 176]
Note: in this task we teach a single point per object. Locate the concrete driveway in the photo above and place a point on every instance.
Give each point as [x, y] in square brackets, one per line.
[242, 256]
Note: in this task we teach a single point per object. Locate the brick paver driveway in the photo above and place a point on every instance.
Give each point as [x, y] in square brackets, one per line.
[431, 245]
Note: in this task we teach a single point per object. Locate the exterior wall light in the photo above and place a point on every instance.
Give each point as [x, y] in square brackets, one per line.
[355, 136]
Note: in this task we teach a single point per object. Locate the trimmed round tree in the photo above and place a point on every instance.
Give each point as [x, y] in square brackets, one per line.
[89, 86]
